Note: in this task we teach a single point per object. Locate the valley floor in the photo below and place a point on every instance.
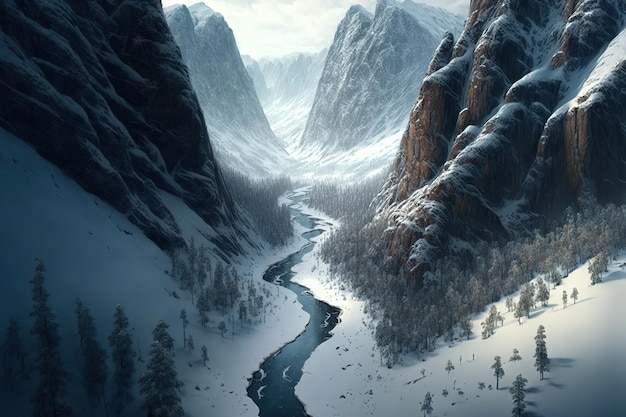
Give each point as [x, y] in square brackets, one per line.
[586, 342]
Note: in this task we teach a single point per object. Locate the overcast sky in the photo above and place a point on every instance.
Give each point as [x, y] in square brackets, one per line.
[278, 27]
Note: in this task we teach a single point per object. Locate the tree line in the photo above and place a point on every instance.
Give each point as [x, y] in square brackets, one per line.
[259, 198]
[410, 319]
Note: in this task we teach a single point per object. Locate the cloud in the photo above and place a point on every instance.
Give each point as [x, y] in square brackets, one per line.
[279, 27]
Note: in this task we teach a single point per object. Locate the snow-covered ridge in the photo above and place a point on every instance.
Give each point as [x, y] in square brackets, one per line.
[239, 130]
[371, 78]
[103, 93]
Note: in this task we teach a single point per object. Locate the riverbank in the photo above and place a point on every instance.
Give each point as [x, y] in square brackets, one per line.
[344, 377]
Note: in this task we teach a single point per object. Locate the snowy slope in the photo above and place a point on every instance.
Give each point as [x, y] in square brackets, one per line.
[585, 343]
[103, 94]
[287, 88]
[93, 252]
[239, 130]
[371, 79]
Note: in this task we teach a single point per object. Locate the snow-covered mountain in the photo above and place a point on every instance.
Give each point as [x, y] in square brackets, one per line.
[517, 118]
[371, 76]
[100, 90]
[286, 87]
[240, 132]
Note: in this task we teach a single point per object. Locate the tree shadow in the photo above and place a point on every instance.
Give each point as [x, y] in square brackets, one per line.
[555, 384]
[562, 362]
[614, 276]
[532, 390]
[530, 413]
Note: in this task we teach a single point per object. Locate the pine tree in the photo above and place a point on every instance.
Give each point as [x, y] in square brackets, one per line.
[542, 362]
[205, 355]
[498, 371]
[13, 352]
[49, 396]
[243, 312]
[161, 335]
[574, 295]
[94, 356]
[427, 404]
[466, 327]
[159, 384]
[190, 344]
[517, 390]
[203, 306]
[543, 293]
[183, 317]
[516, 356]
[222, 327]
[123, 356]
[449, 367]
[564, 299]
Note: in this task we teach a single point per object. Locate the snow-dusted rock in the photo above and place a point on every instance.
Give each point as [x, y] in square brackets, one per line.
[527, 112]
[372, 72]
[240, 132]
[99, 89]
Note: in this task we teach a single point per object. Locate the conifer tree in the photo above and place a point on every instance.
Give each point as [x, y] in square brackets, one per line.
[161, 335]
[517, 390]
[543, 293]
[183, 317]
[190, 343]
[222, 327]
[574, 295]
[94, 356]
[542, 362]
[564, 299]
[159, 384]
[49, 397]
[205, 355]
[123, 356]
[516, 356]
[13, 353]
[449, 367]
[498, 371]
[427, 404]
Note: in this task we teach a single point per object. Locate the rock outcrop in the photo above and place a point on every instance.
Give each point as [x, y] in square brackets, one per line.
[517, 119]
[99, 89]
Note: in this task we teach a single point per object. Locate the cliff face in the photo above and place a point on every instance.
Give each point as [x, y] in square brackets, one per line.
[368, 84]
[516, 119]
[240, 132]
[99, 88]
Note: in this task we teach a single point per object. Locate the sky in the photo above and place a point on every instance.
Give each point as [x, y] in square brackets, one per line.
[274, 28]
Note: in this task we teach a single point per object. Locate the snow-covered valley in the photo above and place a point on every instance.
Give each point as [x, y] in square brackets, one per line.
[311, 349]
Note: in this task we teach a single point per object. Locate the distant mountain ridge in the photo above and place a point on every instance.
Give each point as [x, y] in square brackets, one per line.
[241, 134]
[372, 71]
[286, 87]
[99, 89]
[515, 120]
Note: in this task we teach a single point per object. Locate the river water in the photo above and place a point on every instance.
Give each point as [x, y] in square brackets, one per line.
[272, 386]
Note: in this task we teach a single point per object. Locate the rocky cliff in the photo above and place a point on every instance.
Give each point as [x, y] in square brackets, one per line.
[98, 87]
[514, 120]
[239, 130]
[372, 72]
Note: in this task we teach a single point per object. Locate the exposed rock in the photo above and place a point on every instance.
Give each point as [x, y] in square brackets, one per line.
[368, 85]
[240, 133]
[99, 89]
[509, 120]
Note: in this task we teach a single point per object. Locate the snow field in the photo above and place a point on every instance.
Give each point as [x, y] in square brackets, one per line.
[585, 342]
[93, 252]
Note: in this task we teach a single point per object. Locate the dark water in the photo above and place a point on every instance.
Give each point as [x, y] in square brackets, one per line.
[272, 387]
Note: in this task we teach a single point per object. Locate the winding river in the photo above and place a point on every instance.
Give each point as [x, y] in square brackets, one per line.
[272, 386]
